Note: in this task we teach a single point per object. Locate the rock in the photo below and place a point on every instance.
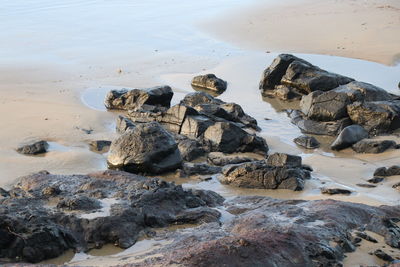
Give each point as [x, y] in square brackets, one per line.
[366, 185]
[383, 255]
[367, 237]
[147, 148]
[335, 191]
[195, 126]
[79, 203]
[190, 149]
[174, 117]
[258, 174]
[228, 138]
[220, 159]
[285, 93]
[199, 98]
[349, 136]
[123, 124]
[299, 74]
[391, 171]
[51, 191]
[360, 91]
[396, 186]
[33, 148]
[327, 106]
[159, 96]
[284, 160]
[376, 117]
[307, 101]
[305, 141]
[272, 232]
[31, 232]
[4, 193]
[375, 180]
[373, 146]
[209, 82]
[307, 126]
[100, 145]
[200, 169]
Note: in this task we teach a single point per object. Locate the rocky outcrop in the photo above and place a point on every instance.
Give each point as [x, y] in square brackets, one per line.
[298, 75]
[305, 141]
[33, 148]
[147, 148]
[349, 136]
[279, 171]
[125, 99]
[376, 117]
[209, 82]
[272, 232]
[33, 229]
[373, 146]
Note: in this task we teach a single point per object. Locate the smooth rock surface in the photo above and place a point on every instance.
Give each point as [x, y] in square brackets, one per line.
[349, 136]
[305, 141]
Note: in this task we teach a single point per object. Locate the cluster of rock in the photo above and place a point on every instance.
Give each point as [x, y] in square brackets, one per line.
[330, 102]
[44, 215]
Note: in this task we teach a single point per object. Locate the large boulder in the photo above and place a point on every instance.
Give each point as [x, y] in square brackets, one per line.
[300, 75]
[209, 82]
[228, 138]
[147, 148]
[125, 99]
[349, 136]
[376, 117]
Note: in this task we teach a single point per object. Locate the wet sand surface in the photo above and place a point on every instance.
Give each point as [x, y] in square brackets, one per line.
[52, 88]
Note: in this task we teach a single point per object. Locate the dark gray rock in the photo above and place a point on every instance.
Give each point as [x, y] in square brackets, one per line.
[285, 93]
[365, 236]
[373, 146]
[360, 91]
[125, 99]
[190, 149]
[228, 138]
[335, 191]
[147, 148]
[383, 255]
[174, 117]
[376, 180]
[328, 106]
[101, 146]
[284, 160]
[199, 98]
[31, 231]
[349, 136]
[258, 174]
[200, 169]
[209, 82]
[33, 148]
[4, 193]
[305, 141]
[220, 159]
[123, 124]
[391, 171]
[376, 117]
[307, 126]
[300, 75]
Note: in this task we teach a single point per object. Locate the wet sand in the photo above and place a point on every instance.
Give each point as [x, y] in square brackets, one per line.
[358, 29]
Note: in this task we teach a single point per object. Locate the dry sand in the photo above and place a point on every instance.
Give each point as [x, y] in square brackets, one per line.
[368, 30]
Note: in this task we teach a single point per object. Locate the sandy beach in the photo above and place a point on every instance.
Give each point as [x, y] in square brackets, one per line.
[53, 90]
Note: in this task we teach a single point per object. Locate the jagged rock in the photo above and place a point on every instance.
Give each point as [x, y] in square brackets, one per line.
[228, 138]
[79, 203]
[335, 191]
[33, 148]
[125, 99]
[299, 74]
[209, 82]
[272, 232]
[200, 169]
[220, 159]
[305, 141]
[195, 126]
[376, 117]
[284, 160]
[147, 148]
[391, 171]
[331, 128]
[373, 146]
[360, 91]
[285, 93]
[190, 149]
[31, 231]
[123, 124]
[367, 237]
[101, 146]
[325, 106]
[349, 136]
[258, 174]
[198, 98]
[4, 193]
